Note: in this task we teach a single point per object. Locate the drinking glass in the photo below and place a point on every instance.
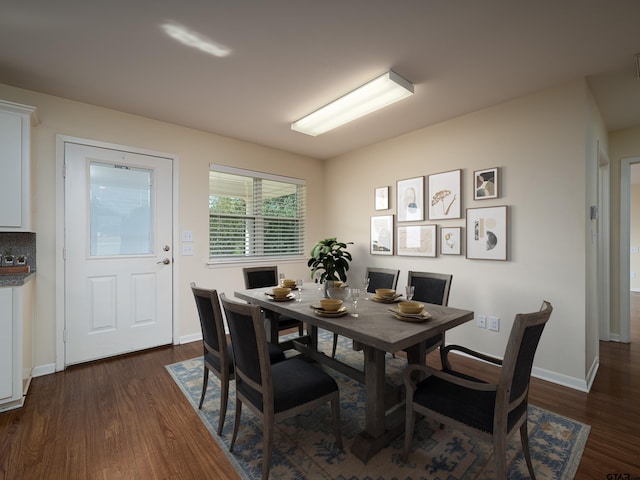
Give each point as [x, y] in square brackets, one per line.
[282, 277]
[409, 291]
[299, 283]
[317, 278]
[355, 295]
[365, 287]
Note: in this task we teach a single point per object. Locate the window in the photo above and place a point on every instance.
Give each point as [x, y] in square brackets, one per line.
[254, 214]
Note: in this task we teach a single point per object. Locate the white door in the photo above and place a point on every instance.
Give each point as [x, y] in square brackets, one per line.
[118, 252]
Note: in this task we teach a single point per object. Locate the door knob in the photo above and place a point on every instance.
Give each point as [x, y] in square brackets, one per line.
[166, 261]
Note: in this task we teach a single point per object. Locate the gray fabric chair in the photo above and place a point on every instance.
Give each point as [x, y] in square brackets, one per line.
[273, 391]
[267, 276]
[490, 411]
[218, 355]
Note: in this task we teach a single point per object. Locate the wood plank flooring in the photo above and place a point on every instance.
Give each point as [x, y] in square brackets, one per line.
[124, 418]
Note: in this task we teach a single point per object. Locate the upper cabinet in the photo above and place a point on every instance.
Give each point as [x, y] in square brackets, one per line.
[16, 122]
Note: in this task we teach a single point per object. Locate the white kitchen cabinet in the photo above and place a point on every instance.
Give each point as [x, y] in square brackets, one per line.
[16, 122]
[16, 343]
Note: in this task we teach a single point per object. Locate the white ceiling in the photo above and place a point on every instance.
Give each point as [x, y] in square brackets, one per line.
[289, 57]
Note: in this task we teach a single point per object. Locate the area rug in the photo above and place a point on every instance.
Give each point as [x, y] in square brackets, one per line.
[304, 449]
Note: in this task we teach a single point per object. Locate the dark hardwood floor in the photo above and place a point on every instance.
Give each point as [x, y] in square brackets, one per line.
[124, 418]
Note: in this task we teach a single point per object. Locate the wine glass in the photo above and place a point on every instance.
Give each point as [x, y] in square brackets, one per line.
[355, 295]
[409, 291]
[365, 287]
[299, 283]
[282, 277]
[317, 279]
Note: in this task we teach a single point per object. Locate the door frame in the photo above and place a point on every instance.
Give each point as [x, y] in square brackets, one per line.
[60, 311]
[625, 247]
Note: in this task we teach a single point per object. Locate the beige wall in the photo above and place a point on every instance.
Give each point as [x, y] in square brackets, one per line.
[194, 149]
[538, 142]
[541, 142]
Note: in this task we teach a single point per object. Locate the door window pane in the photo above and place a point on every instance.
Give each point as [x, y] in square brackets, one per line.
[121, 214]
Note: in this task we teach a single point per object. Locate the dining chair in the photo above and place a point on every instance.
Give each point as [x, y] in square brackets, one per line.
[431, 288]
[491, 411]
[273, 391]
[267, 276]
[218, 355]
[378, 278]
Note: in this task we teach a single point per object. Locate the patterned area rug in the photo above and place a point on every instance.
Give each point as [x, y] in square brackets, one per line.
[304, 444]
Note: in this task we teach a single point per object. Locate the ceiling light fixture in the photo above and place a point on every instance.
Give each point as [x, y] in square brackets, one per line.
[379, 92]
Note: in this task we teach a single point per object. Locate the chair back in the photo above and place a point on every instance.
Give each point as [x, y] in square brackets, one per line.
[212, 324]
[431, 287]
[518, 359]
[382, 278]
[258, 277]
[250, 351]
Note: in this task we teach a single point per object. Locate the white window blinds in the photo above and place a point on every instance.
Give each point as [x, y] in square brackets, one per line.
[254, 214]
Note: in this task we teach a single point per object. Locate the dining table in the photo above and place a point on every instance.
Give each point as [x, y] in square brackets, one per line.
[376, 330]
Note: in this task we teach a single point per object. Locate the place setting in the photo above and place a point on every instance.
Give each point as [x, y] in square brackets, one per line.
[281, 294]
[385, 295]
[330, 307]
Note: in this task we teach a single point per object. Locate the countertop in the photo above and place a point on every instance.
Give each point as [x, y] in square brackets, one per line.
[15, 280]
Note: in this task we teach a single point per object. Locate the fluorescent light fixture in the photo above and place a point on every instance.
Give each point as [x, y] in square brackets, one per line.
[379, 92]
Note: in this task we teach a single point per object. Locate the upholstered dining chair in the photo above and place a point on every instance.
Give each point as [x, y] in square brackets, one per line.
[267, 276]
[218, 355]
[378, 278]
[273, 391]
[431, 288]
[490, 411]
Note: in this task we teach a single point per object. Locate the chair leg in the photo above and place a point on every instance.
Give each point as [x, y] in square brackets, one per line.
[267, 444]
[335, 413]
[408, 429]
[301, 329]
[524, 437]
[236, 423]
[205, 382]
[500, 454]
[224, 400]
[335, 345]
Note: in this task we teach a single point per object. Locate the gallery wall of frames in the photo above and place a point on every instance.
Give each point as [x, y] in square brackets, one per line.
[422, 201]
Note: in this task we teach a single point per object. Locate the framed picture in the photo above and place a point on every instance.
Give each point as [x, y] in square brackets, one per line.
[444, 195]
[451, 240]
[487, 233]
[485, 184]
[410, 199]
[418, 240]
[382, 235]
[382, 198]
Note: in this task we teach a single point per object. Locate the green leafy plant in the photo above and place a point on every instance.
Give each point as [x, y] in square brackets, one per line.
[331, 258]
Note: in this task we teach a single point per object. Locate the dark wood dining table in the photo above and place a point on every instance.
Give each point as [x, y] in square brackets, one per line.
[377, 331]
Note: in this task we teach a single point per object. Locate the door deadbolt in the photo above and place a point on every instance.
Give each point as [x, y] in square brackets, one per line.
[166, 248]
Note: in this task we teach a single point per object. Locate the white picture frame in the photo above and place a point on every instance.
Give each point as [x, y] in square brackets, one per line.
[381, 197]
[381, 235]
[451, 240]
[410, 199]
[487, 233]
[445, 196]
[417, 240]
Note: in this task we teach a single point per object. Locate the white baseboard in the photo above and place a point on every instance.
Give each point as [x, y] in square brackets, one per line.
[194, 337]
[40, 370]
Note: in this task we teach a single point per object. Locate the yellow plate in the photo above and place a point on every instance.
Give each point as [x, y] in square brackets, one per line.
[325, 313]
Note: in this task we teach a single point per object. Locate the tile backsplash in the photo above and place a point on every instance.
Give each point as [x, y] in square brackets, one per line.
[18, 243]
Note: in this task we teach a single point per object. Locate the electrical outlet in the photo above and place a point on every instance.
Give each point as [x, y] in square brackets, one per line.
[494, 324]
[481, 321]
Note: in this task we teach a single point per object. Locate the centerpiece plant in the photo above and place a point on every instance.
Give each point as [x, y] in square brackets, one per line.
[331, 259]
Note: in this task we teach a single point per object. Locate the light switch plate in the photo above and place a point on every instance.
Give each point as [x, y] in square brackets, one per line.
[187, 249]
[187, 236]
[494, 324]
